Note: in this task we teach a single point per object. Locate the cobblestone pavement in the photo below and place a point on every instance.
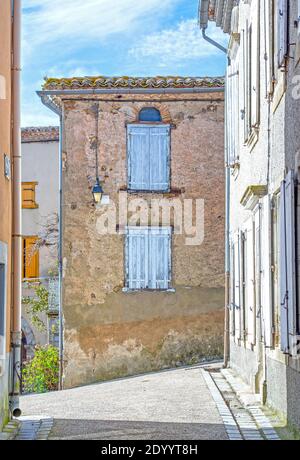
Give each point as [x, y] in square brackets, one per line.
[183, 404]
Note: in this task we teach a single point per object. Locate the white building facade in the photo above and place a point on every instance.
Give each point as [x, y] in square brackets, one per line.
[40, 206]
[262, 162]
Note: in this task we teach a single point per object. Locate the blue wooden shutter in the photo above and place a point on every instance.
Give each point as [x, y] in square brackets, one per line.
[283, 275]
[137, 258]
[159, 158]
[159, 258]
[138, 158]
[148, 258]
[148, 157]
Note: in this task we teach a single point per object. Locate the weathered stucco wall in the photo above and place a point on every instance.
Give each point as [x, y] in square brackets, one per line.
[109, 333]
[5, 190]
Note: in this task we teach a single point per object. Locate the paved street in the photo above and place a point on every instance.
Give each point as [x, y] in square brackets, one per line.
[175, 404]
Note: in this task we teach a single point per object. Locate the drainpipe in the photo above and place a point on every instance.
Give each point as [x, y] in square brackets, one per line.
[213, 42]
[60, 315]
[16, 333]
[227, 222]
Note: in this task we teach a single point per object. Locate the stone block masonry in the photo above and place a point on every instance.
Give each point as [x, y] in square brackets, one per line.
[109, 333]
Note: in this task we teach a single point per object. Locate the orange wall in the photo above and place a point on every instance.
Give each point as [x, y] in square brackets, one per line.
[5, 139]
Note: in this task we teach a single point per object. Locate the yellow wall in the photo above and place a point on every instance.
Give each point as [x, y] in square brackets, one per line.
[5, 140]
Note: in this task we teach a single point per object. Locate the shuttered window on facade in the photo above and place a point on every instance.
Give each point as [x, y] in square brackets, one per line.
[149, 157]
[246, 47]
[237, 286]
[288, 311]
[148, 258]
[249, 280]
[233, 114]
[255, 67]
[266, 292]
[28, 195]
[30, 258]
[282, 31]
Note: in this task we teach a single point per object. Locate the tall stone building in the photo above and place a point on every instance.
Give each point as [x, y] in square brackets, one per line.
[262, 159]
[142, 265]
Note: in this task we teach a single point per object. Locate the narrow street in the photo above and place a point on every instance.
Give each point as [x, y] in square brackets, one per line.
[175, 404]
[202, 402]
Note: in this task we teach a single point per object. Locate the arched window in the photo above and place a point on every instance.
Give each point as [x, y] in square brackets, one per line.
[150, 114]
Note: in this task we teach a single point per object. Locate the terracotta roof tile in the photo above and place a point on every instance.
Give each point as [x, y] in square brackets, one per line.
[132, 82]
[40, 134]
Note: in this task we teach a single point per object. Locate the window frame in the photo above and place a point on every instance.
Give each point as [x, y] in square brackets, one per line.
[32, 203]
[36, 255]
[168, 234]
[128, 157]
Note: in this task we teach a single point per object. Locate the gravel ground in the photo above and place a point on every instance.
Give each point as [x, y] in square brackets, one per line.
[170, 405]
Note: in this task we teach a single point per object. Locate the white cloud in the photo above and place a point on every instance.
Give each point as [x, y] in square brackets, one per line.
[183, 42]
[78, 21]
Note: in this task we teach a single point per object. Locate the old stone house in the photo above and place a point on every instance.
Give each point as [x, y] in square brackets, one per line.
[40, 209]
[141, 265]
[262, 159]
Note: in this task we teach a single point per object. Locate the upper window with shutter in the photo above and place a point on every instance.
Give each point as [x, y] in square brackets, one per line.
[282, 31]
[148, 258]
[28, 195]
[30, 257]
[149, 157]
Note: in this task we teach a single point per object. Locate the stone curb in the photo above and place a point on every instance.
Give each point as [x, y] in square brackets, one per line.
[36, 428]
[10, 430]
[252, 404]
[230, 424]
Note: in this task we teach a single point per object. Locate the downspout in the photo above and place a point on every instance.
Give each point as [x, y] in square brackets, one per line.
[16, 332]
[213, 42]
[61, 343]
[227, 222]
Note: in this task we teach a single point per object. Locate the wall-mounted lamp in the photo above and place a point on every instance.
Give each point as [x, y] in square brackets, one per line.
[97, 191]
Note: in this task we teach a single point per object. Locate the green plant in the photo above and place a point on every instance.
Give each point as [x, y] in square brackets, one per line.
[40, 375]
[37, 305]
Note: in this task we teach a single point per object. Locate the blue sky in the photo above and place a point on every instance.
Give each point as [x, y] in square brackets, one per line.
[111, 37]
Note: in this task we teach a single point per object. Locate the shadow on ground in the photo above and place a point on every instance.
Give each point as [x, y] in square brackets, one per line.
[66, 429]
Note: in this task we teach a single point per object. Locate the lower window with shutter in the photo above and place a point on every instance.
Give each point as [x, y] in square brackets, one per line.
[148, 258]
